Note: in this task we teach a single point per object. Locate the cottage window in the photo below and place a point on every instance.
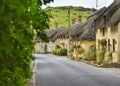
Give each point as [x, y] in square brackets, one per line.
[114, 45]
[94, 24]
[105, 20]
[109, 45]
[103, 31]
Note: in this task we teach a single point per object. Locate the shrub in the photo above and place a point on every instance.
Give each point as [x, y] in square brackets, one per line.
[103, 42]
[72, 58]
[57, 51]
[60, 52]
[109, 56]
[63, 51]
[78, 58]
[53, 52]
[74, 46]
[91, 55]
[101, 56]
[80, 49]
[57, 47]
[79, 52]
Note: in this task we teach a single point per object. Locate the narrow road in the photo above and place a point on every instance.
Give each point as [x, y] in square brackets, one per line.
[59, 71]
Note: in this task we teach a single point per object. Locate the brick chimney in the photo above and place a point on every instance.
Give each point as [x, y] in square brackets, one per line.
[79, 18]
[73, 21]
[55, 25]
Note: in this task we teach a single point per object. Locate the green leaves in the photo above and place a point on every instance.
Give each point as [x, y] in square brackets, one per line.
[45, 1]
[17, 26]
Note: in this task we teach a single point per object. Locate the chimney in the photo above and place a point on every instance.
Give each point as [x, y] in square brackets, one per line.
[73, 21]
[55, 25]
[79, 18]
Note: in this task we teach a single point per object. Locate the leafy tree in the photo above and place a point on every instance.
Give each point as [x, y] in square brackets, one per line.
[18, 22]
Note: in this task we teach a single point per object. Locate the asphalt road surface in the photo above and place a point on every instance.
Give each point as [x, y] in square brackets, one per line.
[59, 71]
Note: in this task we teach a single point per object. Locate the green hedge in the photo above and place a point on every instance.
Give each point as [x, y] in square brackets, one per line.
[60, 52]
[63, 52]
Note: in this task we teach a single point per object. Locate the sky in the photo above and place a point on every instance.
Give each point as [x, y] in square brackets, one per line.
[83, 3]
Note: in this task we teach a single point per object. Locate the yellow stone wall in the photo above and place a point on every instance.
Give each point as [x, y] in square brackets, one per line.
[110, 33]
[65, 42]
[39, 47]
[118, 42]
[85, 44]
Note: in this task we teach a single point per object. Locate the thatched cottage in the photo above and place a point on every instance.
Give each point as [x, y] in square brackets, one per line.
[84, 35]
[53, 38]
[52, 34]
[107, 26]
[64, 34]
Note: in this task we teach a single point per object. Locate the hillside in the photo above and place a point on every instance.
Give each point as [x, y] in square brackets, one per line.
[60, 14]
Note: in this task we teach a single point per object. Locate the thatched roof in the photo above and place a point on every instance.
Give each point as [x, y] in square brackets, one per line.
[65, 32]
[109, 17]
[62, 34]
[59, 30]
[53, 34]
[115, 19]
[87, 30]
[73, 28]
[50, 33]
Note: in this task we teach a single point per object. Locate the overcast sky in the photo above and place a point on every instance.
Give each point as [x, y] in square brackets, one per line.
[84, 3]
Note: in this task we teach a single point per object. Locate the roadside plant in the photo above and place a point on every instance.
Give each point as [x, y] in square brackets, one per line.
[57, 47]
[72, 57]
[101, 56]
[79, 52]
[109, 57]
[103, 42]
[60, 51]
[80, 49]
[91, 54]
[74, 46]
[78, 58]
[71, 51]
[63, 51]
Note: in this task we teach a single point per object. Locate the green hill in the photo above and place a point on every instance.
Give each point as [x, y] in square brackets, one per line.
[60, 14]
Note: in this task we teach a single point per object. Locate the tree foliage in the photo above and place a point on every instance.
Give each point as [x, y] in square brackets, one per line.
[19, 19]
